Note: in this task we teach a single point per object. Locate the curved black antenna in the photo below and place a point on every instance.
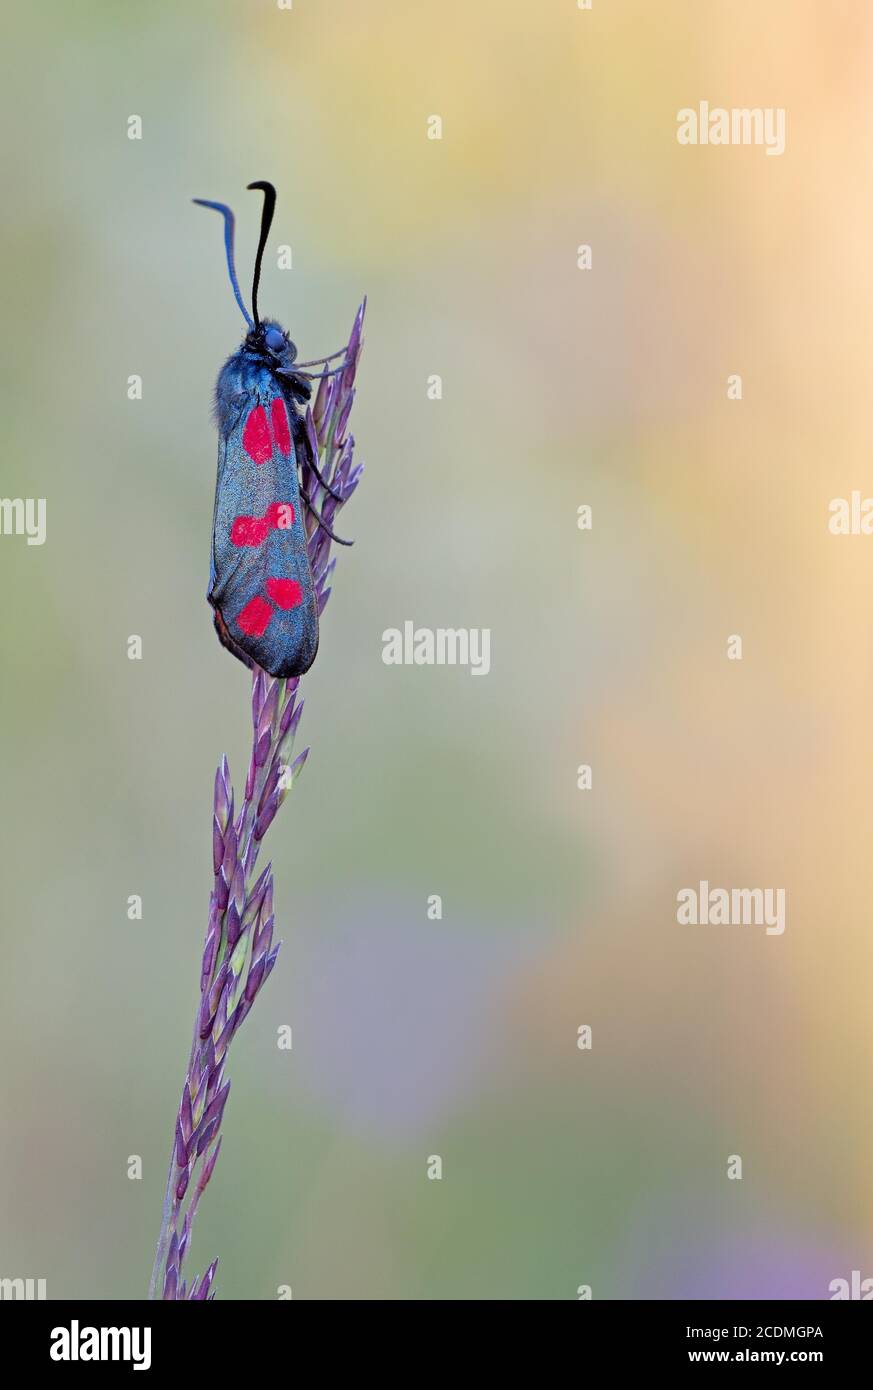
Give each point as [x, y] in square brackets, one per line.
[269, 193]
[228, 246]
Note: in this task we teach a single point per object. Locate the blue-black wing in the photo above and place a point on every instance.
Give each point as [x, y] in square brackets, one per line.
[260, 581]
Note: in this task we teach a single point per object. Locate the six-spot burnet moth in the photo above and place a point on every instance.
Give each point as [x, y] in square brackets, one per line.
[260, 580]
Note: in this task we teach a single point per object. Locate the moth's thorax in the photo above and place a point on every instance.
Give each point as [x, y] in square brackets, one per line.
[251, 373]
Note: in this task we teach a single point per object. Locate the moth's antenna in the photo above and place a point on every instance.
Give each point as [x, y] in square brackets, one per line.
[269, 193]
[228, 246]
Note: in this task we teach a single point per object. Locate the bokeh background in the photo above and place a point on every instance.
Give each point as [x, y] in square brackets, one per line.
[561, 387]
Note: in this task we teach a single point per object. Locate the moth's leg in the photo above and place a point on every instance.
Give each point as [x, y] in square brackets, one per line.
[316, 361]
[322, 523]
[301, 439]
[319, 376]
[305, 377]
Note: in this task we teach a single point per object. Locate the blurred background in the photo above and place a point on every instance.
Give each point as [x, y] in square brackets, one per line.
[561, 387]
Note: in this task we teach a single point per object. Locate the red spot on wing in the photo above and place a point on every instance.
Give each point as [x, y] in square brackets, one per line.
[256, 436]
[280, 515]
[255, 617]
[253, 530]
[285, 593]
[249, 530]
[279, 416]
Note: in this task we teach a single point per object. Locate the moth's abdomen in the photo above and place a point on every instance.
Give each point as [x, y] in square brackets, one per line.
[261, 585]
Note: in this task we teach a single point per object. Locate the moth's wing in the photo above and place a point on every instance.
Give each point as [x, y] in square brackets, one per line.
[260, 578]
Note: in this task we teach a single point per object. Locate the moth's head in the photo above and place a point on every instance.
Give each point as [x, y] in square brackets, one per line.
[265, 338]
[270, 341]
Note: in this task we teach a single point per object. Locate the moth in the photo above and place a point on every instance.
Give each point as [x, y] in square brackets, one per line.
[260, 580]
